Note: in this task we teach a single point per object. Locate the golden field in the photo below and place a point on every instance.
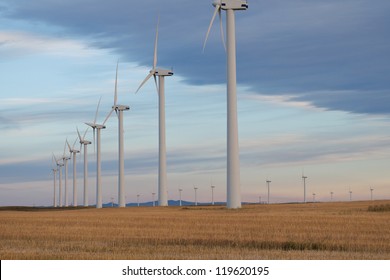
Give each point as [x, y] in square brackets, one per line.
[276, 231]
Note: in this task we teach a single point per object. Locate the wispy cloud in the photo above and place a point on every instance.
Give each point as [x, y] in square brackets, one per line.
[309, 49]
[17, 43]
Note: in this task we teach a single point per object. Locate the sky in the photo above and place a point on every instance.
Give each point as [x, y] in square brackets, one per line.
[313, 97]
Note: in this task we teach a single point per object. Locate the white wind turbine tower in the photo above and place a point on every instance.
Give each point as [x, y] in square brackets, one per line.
[65, 160]
[371, 190]
[59, 165]
[196, 198]
[304, 187]
[162, 166]
[233, 162]
[268, 182]
[54, 183]
[98, 128]
[180, 190]
[74, 152]
[212, 194]
[154, 201]
[121, 162]
[85, 143]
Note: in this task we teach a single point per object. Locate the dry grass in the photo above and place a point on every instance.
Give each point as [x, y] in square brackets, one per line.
[287, 231]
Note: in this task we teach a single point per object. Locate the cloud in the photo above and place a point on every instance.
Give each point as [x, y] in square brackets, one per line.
[321, 52]
[21, 43]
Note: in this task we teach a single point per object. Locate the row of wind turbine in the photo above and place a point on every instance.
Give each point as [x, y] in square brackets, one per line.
[96, 127]
[233, 165]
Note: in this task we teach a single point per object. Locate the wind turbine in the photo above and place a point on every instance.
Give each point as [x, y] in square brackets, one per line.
[212, 194]
[154, 201]
[304, 187]
[371, 190]
[350, 195]
[331, 196]
[85, 143]
[121, 161]
[74, 152]
[98, 128]
[314, 197]
[196, 198]
[268, 182]
[59, 166]
[54, 183]
[65, 160]
[233, 162]
[162, 166]
[180, 190]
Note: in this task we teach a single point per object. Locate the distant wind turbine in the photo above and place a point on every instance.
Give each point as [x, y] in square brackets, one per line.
[85, 143]
[196, 198]
[162, 169]
[180, 190]
[212, 194]
[54, 182]
[59, 165]
[233, 163]
[65, 159]
[350, 195]
[371, 190]
[314, 197]
[268, 182]
[74, 152]
[98, 128]
[121, 157]
[331, 196]
[304, 187]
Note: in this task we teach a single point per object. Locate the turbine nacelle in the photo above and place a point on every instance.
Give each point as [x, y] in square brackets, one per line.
[100, 126]
[162, 72]
[95, 125]
[120, 107]
[85, 142]
[231, 4]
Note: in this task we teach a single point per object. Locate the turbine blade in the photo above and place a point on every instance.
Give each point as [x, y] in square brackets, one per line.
[85, 133]
[56, 160]
[217, 8]
[90, 124]
[155, 82]
[74, 143]
[53, 158]
[97, 110]
[67, 143]
[144, 81]
[116, 85]
[221, 27]
[155, 45]
[108, 116]
[78, 133]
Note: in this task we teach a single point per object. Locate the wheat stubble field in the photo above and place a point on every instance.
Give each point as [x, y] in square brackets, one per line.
[279, 231]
